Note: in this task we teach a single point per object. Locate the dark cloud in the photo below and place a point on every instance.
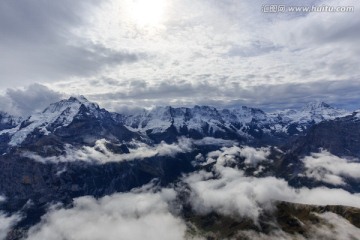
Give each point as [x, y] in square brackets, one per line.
[24, 102]
[341, 93]
[342, 29]
[141, 94]
[38, 42]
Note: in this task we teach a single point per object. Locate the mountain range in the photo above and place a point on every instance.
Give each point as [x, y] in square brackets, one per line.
[245, 124]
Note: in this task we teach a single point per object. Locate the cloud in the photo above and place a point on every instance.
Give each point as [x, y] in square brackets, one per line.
[259, 59]
[266, 96]
[282, 96]
[100, 153]
[229, 191]
[139, 214]
[328, 168]
[252, 156]
[24, 102]
[39, 42]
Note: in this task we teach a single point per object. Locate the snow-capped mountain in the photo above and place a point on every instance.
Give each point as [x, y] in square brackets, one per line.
[195, 122]
[241, 122]
[312, 112]
[293, 121]
[80, 121]
[74, 119]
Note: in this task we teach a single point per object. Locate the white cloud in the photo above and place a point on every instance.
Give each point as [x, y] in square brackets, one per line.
[253, 156]
[140, 214]
[23, 102]
[228, 191]
[101, 154]
[329, 168]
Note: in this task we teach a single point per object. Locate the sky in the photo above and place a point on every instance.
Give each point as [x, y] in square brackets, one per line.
[126, 54]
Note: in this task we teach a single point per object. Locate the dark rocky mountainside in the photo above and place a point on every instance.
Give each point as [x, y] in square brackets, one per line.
[340, 136]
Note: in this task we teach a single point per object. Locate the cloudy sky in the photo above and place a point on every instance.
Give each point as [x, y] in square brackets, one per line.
[140, 53]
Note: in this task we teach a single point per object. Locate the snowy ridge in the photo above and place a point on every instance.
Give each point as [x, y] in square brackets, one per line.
[239, 120]
[160, 119]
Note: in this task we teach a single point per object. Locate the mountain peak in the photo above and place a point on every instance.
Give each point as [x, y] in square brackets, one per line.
[71, 102]
[59, 114]
[79, 98]
[316, 105]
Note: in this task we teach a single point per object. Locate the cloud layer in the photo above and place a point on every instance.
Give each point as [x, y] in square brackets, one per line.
[329, 168]
[140, 214]
[229, 191]
[99, 153]
[24, 102]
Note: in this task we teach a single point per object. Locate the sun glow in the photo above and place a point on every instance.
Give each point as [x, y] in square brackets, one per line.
[148, 12]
